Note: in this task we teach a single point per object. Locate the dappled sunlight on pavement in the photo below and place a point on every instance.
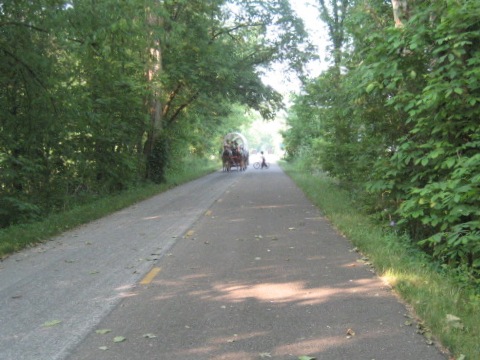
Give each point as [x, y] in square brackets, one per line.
[295, 292]
[262, 292]
[262, 276]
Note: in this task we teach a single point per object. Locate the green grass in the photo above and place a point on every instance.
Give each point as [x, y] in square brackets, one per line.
[431, 294]
[18, 237]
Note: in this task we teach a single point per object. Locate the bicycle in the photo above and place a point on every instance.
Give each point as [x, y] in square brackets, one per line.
[258, 165]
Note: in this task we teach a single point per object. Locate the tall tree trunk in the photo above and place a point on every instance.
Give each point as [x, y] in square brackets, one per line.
[153, 100]
[400, 12]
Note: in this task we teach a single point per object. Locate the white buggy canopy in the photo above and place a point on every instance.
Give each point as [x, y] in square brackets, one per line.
[235, 138]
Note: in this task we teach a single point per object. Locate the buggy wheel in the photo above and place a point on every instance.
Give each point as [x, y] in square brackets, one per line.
[256, 165]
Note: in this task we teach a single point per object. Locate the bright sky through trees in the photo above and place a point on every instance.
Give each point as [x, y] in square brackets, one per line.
[279, 77]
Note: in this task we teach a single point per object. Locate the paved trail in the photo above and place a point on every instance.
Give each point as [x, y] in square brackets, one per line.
[232, 266]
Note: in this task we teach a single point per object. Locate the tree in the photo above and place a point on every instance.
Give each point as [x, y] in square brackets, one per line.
[328, 121]
[28, 133]
[107, 68]
[334, 14]
[224, 63]
[96, 95]
[404, 106]
[400, 12]
[438, 158]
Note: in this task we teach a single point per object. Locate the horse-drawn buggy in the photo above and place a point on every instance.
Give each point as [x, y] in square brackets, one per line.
[235, 152]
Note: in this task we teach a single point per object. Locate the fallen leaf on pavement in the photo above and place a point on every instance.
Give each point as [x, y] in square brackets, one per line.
[52, 323]
[119, 339]
[305, 357]
[149, 336]
[232, 340]
[103, 331]
[265, 355]
[103, 348]
[189, 233]
[350, 333]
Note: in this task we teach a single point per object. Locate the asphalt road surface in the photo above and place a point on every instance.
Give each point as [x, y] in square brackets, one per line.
[235, 266]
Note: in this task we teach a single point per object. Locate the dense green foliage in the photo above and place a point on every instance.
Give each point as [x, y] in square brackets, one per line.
[397, 122]
[98, 96]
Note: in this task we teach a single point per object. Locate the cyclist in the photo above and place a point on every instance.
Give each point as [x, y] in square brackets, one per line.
[264, 163]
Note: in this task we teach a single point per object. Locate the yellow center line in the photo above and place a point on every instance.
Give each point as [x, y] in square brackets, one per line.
[150, 276]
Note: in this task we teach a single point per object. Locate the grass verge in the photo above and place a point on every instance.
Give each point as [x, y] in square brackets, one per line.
[447, 311]
[18, 237]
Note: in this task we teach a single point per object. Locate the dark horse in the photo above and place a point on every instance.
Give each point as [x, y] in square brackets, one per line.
[233, 158]
[227, 159]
